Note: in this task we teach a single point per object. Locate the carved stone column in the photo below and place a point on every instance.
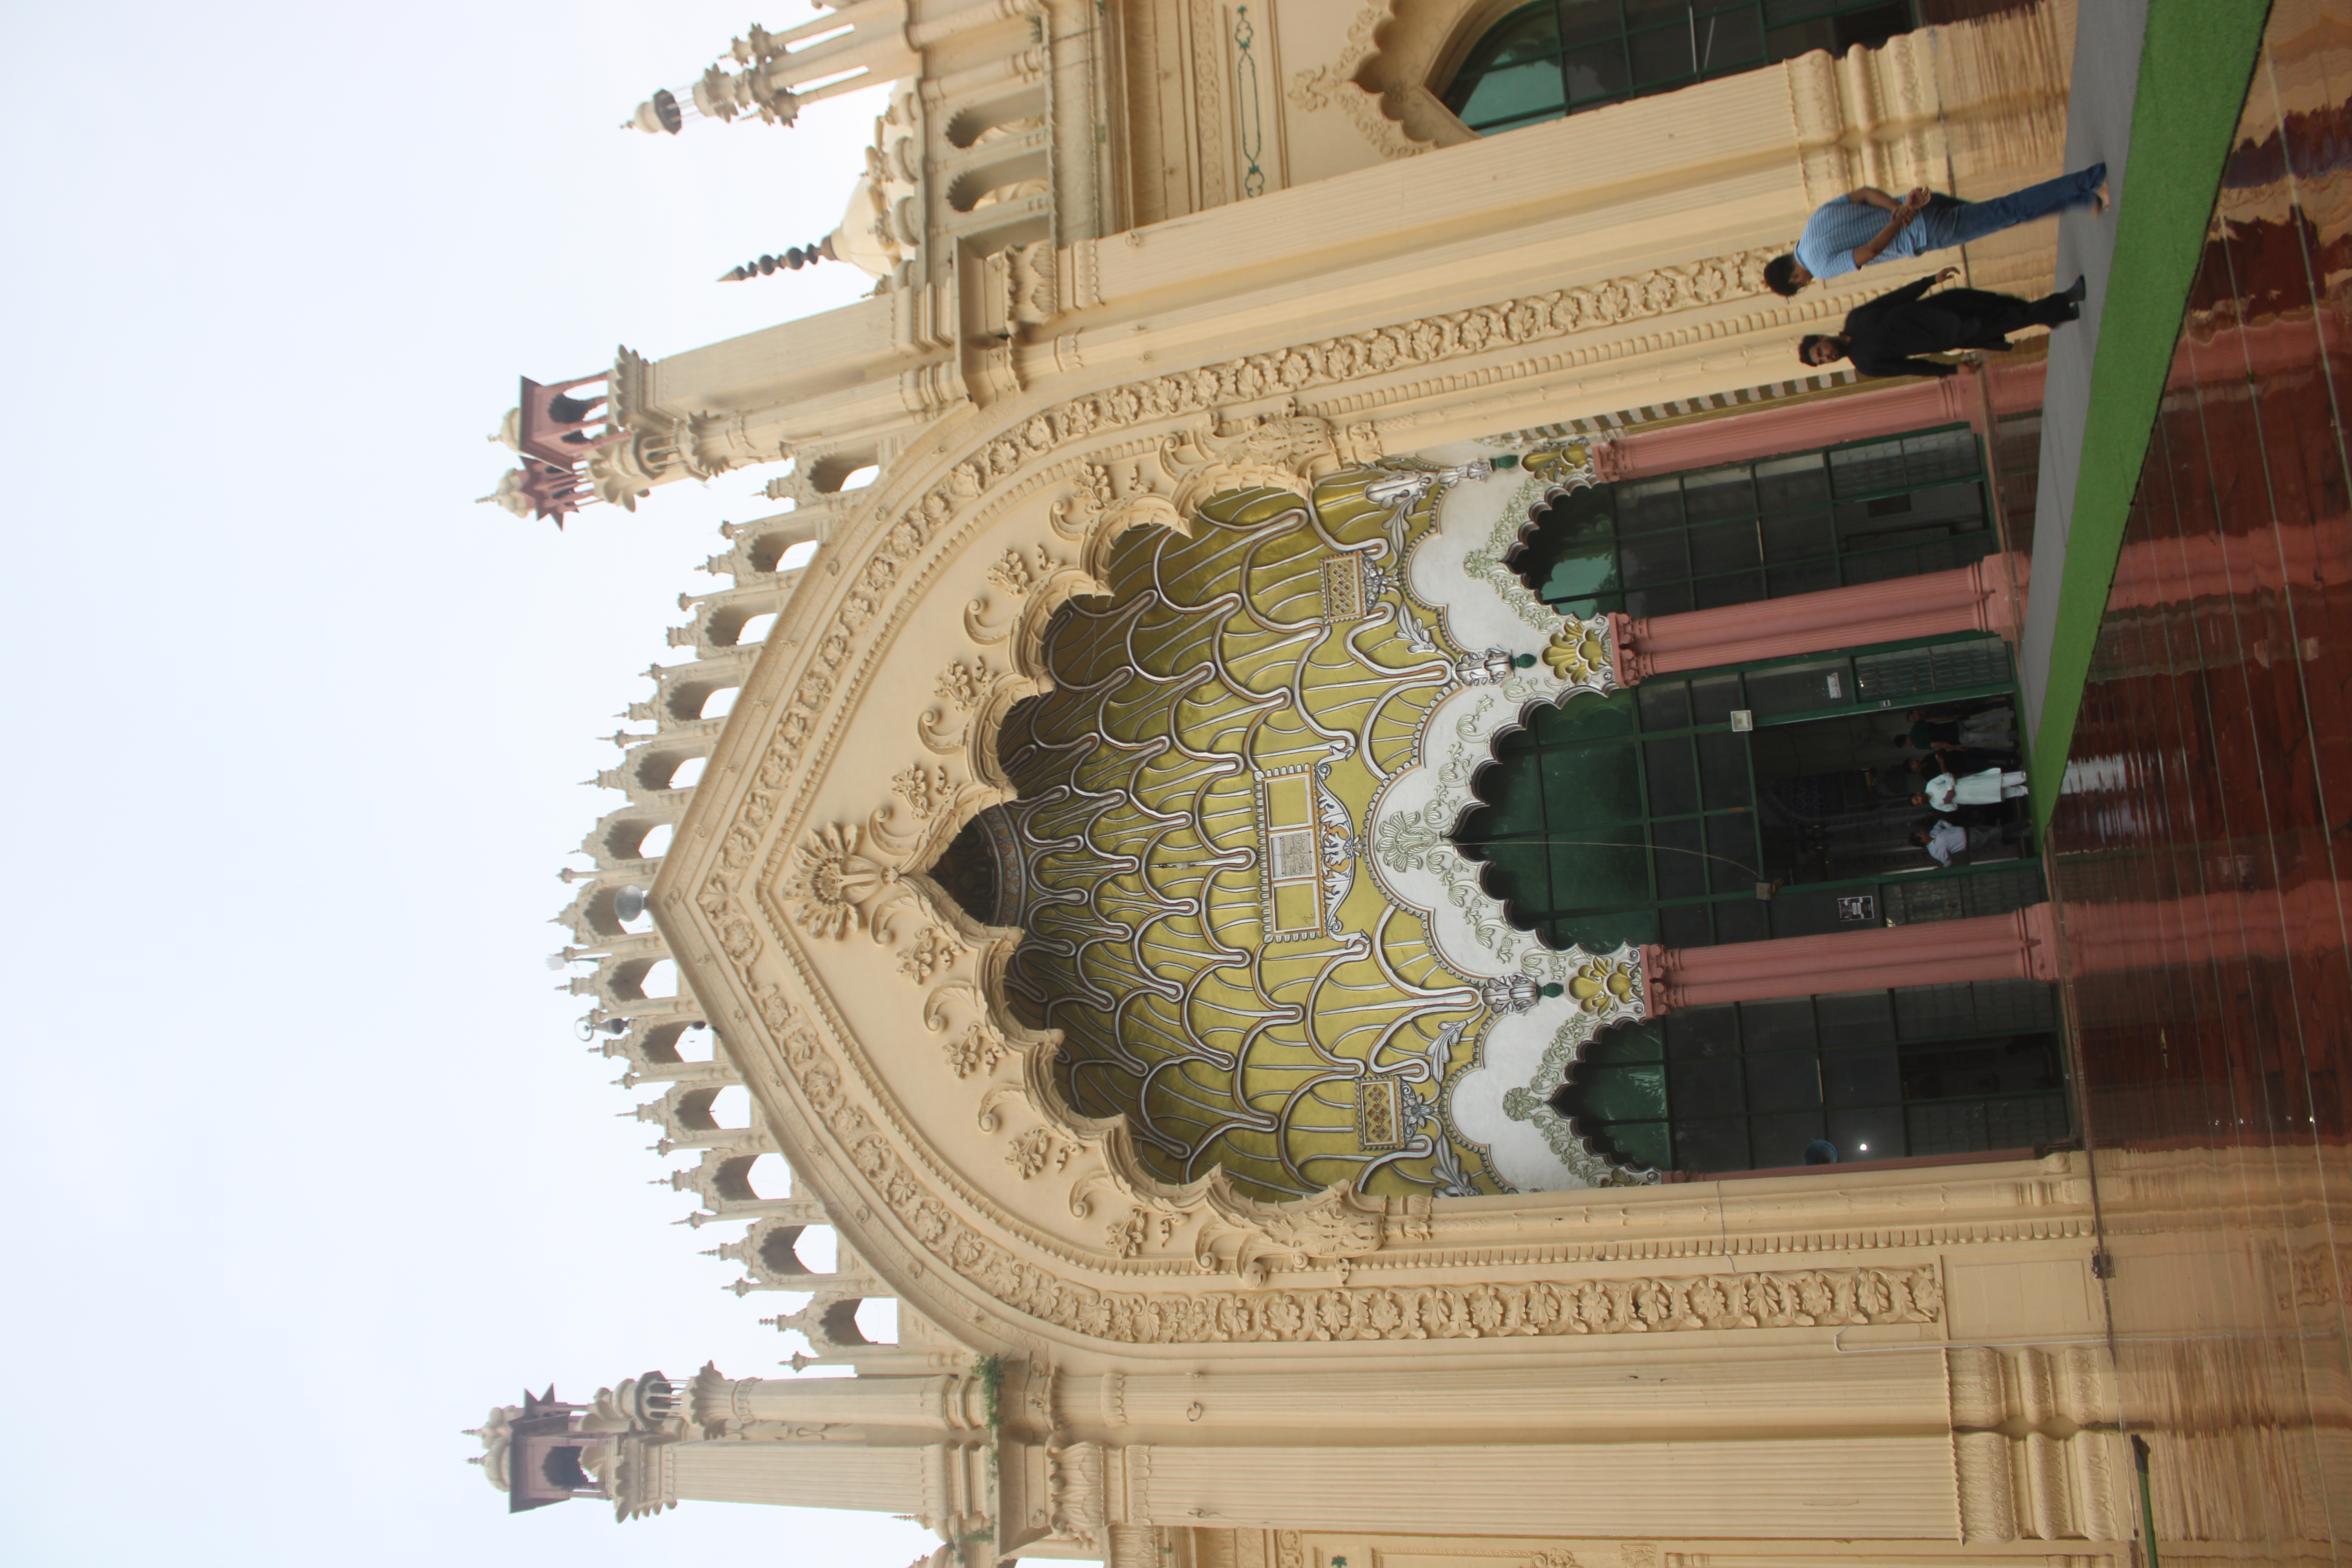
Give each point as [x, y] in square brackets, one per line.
[853, 1404]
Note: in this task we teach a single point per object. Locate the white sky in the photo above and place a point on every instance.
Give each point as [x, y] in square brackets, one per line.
[309, 1169]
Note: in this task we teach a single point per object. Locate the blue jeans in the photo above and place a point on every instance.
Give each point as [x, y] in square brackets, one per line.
[1950, 223]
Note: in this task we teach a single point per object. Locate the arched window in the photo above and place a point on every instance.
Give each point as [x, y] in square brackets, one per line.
[1771, 800]
[1856, 1076]
[1557, 58]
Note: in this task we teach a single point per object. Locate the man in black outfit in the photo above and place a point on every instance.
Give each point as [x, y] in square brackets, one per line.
[1885, 336]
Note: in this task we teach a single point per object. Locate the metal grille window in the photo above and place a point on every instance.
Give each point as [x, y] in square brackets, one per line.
[1557, 58]
[1878, 1075]
[1794, 525]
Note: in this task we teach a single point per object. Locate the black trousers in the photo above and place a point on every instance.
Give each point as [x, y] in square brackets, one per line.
[1998, 315]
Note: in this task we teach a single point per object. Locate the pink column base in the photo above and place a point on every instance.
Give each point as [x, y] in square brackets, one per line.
[2019, 946]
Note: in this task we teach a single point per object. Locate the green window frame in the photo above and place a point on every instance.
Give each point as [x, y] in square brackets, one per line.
[1861, 512]
[1879, 1075]
[1557, 58]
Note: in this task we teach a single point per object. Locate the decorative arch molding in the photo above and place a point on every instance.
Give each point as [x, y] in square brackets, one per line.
[1384, 75]
[967, 1240]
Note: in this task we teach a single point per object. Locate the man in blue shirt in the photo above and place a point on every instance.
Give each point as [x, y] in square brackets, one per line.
[1868, 225]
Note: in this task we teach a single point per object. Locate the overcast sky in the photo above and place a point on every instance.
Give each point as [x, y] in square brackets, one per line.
[309, 1168]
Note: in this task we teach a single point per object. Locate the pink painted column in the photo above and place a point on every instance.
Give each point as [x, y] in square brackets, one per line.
[1972, 598]
[2020, 946]
[1892, 410]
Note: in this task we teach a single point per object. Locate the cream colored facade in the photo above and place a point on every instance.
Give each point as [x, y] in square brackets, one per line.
[1131, 260]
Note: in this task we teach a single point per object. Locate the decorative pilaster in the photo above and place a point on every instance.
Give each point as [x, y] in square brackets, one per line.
[1780, 1488]
[1682, 1397]
[802, 1475]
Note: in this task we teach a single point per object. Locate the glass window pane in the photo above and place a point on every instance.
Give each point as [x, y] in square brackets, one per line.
[1789, 1081]
[1513, 94]
[1645, 505]
[1690, 926]
[1780, 1026]
[1799, 687]
[1713, 699]
[1665, 54]
[1742, 920]
[1701, 1146]
[1870, 1076]
[1778, 13]
[1646, 1145]
[1708, 1086]
[1585, 718]
[1653, 558]
[1719, 493]
[1800, 39]
[1811, 578]
[1604, 931]
[1589, 21]
[1935, 457]
[1633, 1092]
[1874, 468]
[2016, 1005]
[1867, 1133]
[1736, 588]
[1671, 600]
[1797, 535]
[1515, 803]
[1601, 869]
[1784, 483]
[1679, 849]
[1778, 1140]
[1642, 1042]
[1586, 786]
[1595, 72]
[1924, 1010]
[1723, 771]
[1673, 777]
[1733, 865]
[1855, 1019]
[1665, 704]
[1581, 573]
[1729, 39]
[1702, 1032]
[1726, 546]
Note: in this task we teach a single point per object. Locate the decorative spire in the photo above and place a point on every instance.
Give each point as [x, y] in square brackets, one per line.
[793, 260]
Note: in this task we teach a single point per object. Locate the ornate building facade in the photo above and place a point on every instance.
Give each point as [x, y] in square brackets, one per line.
[1292, 873]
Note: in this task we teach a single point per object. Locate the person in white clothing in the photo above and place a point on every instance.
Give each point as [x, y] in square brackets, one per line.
[1948, 791]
